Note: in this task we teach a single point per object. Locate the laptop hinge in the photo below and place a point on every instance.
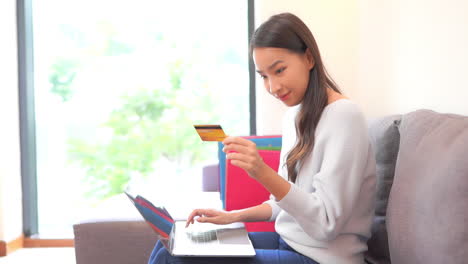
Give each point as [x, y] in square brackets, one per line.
[171, 239]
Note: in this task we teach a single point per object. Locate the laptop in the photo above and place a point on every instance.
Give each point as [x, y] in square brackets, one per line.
[207, 240]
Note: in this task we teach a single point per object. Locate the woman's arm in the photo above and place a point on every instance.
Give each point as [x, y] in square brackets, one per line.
[257, 213]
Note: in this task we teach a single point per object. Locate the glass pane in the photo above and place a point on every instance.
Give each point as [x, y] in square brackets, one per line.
[118, 87]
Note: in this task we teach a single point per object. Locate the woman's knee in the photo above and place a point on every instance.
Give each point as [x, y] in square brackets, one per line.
[264, 240]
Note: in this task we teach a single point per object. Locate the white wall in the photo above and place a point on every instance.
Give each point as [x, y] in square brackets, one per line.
[377, 34]
[388, 56]
[431, 56]
[10, 179]
[413, 55]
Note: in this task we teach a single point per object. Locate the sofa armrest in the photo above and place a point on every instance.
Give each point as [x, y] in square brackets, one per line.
[113, 242]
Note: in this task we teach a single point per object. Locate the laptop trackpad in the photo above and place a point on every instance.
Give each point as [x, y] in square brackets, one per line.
[232, 236]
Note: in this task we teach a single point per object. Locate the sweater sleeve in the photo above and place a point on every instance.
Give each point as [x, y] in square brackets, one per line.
[275, 209]
[343, 146]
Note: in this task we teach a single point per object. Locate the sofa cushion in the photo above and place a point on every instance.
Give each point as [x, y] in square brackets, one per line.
[385, 140]
[427, 212]
[113, 242]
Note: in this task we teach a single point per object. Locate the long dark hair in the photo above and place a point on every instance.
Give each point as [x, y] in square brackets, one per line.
[289, 32]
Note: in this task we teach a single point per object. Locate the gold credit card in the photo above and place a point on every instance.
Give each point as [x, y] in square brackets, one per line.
[210, 132]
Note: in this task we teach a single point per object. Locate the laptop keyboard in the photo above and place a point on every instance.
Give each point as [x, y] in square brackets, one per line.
[203, 236]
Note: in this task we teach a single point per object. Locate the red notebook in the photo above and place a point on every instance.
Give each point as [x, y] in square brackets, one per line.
[242, 191]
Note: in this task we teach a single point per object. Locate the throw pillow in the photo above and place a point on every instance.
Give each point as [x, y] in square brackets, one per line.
[427, 212]
[385, 140]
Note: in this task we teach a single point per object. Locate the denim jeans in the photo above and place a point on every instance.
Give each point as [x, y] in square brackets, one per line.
[269, 247]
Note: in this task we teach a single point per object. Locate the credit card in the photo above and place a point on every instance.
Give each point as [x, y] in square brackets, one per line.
[210, 132]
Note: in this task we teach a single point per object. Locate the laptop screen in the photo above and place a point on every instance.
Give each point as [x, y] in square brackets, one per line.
[158, 217]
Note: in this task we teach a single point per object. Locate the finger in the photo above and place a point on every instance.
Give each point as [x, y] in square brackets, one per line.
[210, 212]
[196, 212]
[237, 148]
[229, 140]
[241, 164]
[200, 212]
[237, 140]
[212, 220]
[191, 216]
[237, 156]
[189, 220]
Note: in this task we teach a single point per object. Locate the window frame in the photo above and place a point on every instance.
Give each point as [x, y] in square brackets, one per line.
[27, 116]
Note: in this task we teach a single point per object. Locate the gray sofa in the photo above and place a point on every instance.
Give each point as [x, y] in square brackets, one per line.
[113, 242]
[422, 199]
[422, 203]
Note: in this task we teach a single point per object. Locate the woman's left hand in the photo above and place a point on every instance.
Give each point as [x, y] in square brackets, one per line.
[243, 153]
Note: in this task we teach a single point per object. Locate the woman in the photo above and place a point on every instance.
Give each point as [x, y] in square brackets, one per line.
[322, 199]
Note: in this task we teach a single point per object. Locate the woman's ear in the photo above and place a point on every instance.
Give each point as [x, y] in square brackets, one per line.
[310, 59]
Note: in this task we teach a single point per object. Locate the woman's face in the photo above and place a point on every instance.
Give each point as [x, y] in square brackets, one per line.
[285, 73]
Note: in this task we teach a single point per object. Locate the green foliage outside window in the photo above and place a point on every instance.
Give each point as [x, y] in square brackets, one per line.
[63, 73]
[154, 120]
[140, 135]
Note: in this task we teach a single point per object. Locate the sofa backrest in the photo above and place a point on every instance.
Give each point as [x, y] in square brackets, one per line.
[427, 214]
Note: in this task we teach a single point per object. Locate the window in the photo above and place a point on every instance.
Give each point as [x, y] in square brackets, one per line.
[118, 86]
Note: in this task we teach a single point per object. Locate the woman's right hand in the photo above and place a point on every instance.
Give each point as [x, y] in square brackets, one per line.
[211, 216]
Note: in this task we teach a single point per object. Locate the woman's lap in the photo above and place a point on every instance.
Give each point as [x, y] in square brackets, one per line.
[269, 248]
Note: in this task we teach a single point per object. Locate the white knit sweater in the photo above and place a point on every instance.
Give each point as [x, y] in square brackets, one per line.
[328, 212]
